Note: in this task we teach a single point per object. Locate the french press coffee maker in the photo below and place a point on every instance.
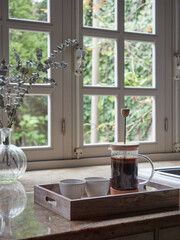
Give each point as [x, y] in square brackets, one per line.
[124, 163]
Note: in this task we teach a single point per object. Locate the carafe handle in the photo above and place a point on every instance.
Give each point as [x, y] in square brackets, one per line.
[152, 171]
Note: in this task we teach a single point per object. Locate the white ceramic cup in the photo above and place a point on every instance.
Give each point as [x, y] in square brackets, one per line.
[97, 186]
[72, 188]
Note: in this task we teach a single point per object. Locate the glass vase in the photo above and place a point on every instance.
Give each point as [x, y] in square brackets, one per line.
[13, 201]
[13, 161]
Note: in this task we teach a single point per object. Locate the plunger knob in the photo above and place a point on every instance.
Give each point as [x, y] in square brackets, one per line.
[125, 112]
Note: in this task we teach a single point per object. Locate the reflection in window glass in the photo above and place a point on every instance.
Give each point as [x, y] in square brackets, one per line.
[99, 64]
[26, 43]
[36, 10]
[139, 16]
[99, 13]
[138, 64]
[31, 122]
[99, 119]
[140, 122]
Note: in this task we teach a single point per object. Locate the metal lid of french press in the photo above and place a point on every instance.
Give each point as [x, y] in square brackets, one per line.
[121, 146]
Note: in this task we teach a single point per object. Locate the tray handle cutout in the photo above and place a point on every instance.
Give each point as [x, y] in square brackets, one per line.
[51, 201]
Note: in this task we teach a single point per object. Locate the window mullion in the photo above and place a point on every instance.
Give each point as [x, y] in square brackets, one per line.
[81, 111]
[1, 10]
[4, 11]
[29, 25]
[56, 38]
[141, 91]
[140, 37]
[5, 42]
[120, 72]
[78, 114]
[93, 32]
[4, 49]
[160, 75]
[42, 90]
[100, 91]
[79, 15]
[168, 72]
[120, 96]
[68, 78]
[1, 46]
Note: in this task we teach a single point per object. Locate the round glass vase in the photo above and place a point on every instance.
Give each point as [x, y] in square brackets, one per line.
[13, 201]
[13, 161]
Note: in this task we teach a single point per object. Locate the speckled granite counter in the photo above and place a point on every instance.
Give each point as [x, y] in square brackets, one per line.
[36, 222]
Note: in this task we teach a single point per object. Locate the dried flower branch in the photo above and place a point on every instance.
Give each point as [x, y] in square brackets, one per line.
[13, 87]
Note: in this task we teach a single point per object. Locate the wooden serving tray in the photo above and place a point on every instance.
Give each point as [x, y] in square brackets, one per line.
[154, 197]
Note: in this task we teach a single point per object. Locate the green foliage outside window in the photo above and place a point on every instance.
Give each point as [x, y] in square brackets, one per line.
[139, 122]
[106, 109]
[26, 43]
[138, 16]
[28, 9]
[31, 127]
[138, 64]
[106, 14]
[138, 70]
[106, 49]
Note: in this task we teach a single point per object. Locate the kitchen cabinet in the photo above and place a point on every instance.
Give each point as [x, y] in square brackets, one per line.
[162, 234]
[140, 236]
[169, 233]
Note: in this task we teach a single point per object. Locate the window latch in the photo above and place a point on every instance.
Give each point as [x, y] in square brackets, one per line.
[63, 127]
[78, 152]
[78, 60]
[177, 147]
[166, 124]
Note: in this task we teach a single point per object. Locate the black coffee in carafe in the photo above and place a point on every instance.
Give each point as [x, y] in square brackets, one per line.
[124, 166]
[124, 173]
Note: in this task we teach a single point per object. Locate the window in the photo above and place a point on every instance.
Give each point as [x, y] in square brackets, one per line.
[128, 63]
[26, 26]
[124, 67]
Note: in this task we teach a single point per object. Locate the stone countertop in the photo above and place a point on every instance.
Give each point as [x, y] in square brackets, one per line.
[32, 178]
[36, 222]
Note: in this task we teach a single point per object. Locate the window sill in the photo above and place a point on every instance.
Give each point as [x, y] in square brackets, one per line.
[82, 162]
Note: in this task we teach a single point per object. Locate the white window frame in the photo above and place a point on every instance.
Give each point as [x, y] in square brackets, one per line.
[66, 97]
[54, 29]
[163, 88]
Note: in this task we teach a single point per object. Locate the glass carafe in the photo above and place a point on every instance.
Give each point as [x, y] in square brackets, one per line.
[124, 166]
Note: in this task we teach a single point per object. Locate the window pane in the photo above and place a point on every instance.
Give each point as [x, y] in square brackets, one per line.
[99, 64]
[140, 122]
[36, 10]
[26, 44]
[138, 64]
[99, 119]
[139, 16]
[31, 122]
[99, 13]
